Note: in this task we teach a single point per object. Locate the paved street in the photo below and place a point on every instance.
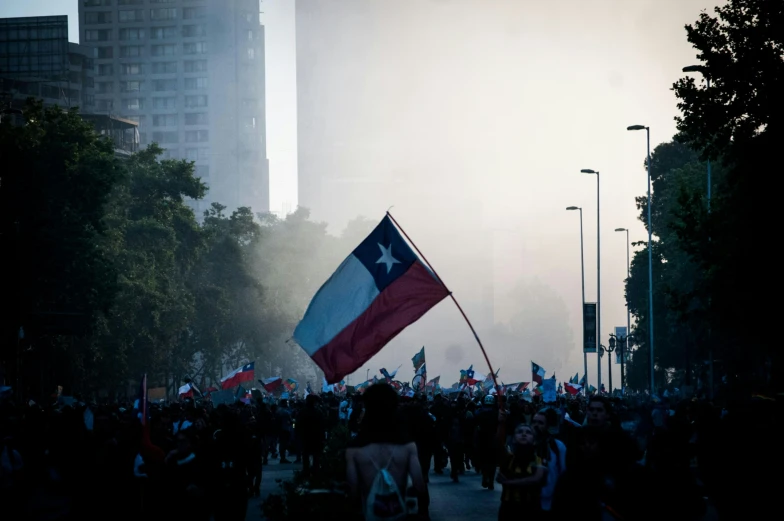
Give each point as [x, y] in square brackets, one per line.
[464, 500]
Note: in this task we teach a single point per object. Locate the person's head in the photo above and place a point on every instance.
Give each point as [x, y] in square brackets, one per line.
[598, 411]
[489, 400]
[380, 399]
[311, 400]
[524, 436]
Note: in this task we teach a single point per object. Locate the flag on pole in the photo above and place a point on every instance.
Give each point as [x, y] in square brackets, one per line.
[387, 374]
[378, 290]
[422, 371]
[272, 383]
[573, 388]
[434, 383]
[291, 385]
[186, 391]
[537, 373]
[419, 359]
[575, 379]
[582, 380]
[238, 376]
[464, 374]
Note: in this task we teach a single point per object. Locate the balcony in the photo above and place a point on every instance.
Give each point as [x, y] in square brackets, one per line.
[124, 133]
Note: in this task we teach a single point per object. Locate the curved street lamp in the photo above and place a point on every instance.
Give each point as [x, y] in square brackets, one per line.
[650, 252]
[598, 275]
[582, 271]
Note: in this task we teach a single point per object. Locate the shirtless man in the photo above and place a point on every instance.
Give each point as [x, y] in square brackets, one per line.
[382, 440]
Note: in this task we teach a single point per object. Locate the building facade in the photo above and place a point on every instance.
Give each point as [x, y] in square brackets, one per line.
[36, 60]
[191, 74]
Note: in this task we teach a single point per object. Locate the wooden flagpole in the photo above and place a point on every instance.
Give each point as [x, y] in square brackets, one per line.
[495, 382]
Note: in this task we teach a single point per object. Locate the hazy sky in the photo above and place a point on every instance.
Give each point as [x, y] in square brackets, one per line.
[509, 97]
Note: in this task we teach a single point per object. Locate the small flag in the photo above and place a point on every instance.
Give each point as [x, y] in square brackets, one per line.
[388, 375]
[378, 290]
[474, 377]
[582, 380]
[537, 373]
[419, 359]
[434, 383]
[575, 379]
[238, 376]
[573, 388]
[464, 374]
[291, 385]
[422, 371]
[186, 391]
[272, 383]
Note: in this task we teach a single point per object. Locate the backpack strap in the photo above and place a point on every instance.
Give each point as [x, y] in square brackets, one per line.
[385, 467]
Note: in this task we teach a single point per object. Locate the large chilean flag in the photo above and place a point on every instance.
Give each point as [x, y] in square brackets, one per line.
[379, 290]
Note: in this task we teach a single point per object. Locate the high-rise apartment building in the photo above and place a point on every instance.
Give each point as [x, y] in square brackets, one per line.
[36, 60]
[191, 73]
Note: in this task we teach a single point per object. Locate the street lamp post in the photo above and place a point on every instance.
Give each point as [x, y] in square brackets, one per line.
[650, 251]
[610, 350]
[598, 276]
[582, 271]
[701, 70]
[628, 312]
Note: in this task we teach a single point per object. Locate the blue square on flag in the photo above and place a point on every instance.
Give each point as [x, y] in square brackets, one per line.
[376, 292]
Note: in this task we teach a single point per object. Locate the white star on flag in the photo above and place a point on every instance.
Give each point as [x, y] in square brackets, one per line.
[386, 257]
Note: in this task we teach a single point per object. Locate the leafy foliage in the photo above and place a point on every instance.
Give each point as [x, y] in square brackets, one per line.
[709, 269]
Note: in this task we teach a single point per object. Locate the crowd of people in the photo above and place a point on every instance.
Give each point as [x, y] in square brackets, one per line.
[588, 458]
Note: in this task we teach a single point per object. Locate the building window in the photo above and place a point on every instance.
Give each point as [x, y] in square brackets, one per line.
[164, 67]
[89, 100]
[194, 30]
[97, 3]
[103, 104]
[131, 86]
[133, 103]
[130, 2]
[169, 13]
[98, 17]
[196, 118]
[189, 13]
[131, 51]
[170, 153]
[131, 69]
[250, 36]
[103, 52]
[164, 120]
[162, 1]
[161, 85]
[166, 137]
[195, 101]
[251, 53]
[169, 49]
[195, 83]
[132, 34]
[98, 35]
[196, 66]
[164, 103]
[104, 87]
[162, 33]
[133, 15]
[195, 48]
[197, 154]
[196, 136]
[248, 17]
[106, 69]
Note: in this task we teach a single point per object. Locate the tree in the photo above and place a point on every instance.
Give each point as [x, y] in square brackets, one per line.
[58, 175]
[739, 120]
[154, 242]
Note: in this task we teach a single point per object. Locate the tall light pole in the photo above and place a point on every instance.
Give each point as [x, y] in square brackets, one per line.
[650, 251]
[701, 70]
[598, 278]
[628, 312]
[582, 270]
